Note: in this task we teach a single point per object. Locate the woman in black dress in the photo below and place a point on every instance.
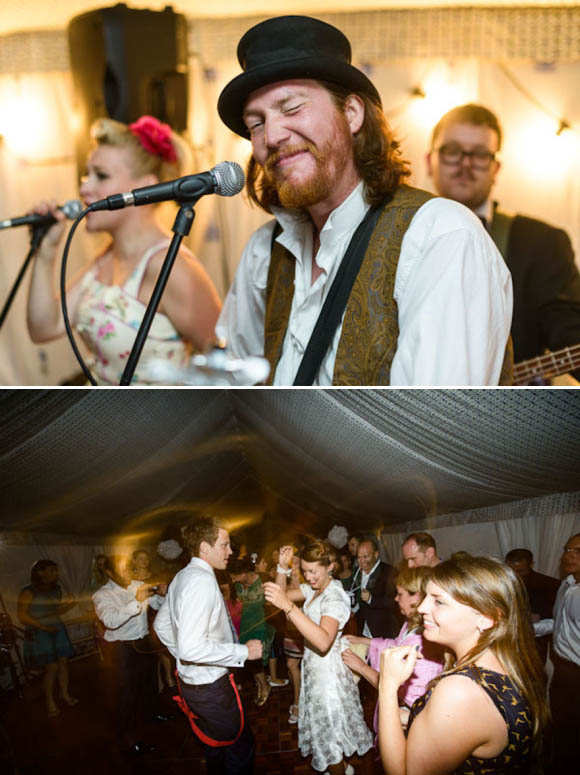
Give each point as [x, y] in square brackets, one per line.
[486, 712]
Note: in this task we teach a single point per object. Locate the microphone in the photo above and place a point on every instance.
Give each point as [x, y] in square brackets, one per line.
[215, 368]
[71, 209]
[225, 179]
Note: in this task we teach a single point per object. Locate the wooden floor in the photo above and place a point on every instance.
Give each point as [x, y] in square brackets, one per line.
[82, 737]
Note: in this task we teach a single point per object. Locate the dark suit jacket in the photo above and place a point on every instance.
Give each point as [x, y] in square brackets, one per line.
[546, 287]
[381, 613]
[542, 591]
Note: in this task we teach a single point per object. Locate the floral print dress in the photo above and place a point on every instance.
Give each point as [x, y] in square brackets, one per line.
[108, 318]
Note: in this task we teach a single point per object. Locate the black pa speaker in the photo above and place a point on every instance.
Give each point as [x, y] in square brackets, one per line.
[127, 63]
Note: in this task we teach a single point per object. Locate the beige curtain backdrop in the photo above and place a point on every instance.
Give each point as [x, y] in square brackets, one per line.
[524, 65]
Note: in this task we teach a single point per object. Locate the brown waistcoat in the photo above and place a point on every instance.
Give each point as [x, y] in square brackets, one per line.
[370, 328]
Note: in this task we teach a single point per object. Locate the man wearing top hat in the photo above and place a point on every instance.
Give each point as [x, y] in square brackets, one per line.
[388, 284]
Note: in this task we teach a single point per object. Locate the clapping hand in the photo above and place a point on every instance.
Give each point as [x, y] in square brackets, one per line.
[397, 665]
[285, 556]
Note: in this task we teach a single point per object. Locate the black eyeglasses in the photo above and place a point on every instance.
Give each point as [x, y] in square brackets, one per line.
[454, 154]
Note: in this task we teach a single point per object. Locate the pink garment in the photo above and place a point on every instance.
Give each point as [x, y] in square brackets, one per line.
[425, 669]
[235, 611]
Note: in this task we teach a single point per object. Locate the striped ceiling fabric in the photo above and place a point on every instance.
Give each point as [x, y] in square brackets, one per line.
[97, 463]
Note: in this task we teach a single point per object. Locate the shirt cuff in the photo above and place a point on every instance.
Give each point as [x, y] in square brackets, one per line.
[543, 627]
[241, 654]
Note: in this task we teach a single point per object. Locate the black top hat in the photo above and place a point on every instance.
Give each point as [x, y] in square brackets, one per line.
[290, 47]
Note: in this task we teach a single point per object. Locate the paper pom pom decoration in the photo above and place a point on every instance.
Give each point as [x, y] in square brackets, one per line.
[170, 549]
[338, 536]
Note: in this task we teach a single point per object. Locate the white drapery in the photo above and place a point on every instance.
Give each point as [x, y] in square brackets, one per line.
[543, 536]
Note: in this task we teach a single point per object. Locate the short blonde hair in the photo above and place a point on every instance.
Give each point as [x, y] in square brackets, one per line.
[107, 131]
[414, 581]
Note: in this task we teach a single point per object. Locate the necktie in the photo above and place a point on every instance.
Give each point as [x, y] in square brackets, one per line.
[233, 629]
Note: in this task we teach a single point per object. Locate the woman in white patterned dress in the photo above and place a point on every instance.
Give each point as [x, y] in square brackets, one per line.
[331, 725]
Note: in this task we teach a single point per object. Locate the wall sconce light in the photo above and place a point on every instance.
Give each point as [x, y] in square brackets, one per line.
[563, 125]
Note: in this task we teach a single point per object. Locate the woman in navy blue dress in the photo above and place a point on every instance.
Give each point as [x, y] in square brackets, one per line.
[46, 643]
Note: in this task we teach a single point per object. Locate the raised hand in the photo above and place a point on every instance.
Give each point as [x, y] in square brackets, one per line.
[285, 556]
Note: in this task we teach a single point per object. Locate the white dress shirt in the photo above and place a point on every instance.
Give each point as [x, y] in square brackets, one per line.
[122, 614]
[452, 288]
[566, 622]
[194, 625]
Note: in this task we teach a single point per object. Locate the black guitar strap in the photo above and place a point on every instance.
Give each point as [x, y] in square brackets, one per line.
[335, 303]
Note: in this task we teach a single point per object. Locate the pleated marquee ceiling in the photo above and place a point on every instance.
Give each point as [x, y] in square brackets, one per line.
[102, 462]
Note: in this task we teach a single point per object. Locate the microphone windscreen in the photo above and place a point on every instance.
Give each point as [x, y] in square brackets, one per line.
[230, 178]
[72, 209]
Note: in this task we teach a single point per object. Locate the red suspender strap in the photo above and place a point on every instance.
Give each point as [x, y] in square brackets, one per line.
[191, 716]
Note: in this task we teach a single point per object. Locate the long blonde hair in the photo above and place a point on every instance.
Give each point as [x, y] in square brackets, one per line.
[493, 589]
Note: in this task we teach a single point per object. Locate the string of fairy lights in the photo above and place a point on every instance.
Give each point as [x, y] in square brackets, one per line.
[420, 92]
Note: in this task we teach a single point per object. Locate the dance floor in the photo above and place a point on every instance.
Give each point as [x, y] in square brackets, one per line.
[82, 737]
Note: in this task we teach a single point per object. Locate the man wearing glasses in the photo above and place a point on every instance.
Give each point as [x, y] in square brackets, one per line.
[565, 655]
[464, 163]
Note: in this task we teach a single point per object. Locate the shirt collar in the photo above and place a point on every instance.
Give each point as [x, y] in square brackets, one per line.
[197, 561]
[341, 220]
[570, 580]
[485, 211]
[373, 569]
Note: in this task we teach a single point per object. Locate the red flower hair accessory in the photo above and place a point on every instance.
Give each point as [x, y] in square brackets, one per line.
[155, 137]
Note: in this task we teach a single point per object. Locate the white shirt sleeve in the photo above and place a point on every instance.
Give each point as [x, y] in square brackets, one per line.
[241, 322]
[543, 627]
[454, 296]
[111, 613]
[155, 601]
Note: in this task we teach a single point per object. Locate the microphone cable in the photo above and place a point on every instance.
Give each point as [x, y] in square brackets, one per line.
[69, 332]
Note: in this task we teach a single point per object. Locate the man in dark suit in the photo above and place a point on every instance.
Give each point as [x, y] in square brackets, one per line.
[541, 589]
[374, 591]
[463, 162]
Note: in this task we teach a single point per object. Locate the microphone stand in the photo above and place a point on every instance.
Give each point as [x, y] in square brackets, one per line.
[181, 228]
[36, 238]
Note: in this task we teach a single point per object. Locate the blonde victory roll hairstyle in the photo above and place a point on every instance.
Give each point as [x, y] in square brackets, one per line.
[107, 131]
[494, 590]
[318, 551]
